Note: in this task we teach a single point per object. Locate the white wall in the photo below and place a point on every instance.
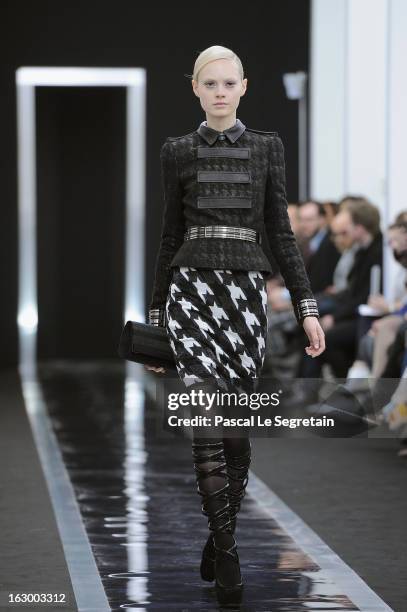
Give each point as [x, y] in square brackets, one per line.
[397, 108]
[358, 90]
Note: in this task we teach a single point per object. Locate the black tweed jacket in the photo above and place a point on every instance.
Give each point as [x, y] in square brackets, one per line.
[233, 178]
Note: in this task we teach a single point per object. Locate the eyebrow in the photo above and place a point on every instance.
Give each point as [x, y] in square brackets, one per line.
[226, 79]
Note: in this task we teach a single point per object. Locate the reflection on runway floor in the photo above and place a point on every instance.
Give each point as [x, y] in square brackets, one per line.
[137, 496]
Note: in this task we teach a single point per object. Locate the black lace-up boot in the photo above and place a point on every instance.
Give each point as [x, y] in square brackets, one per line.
[237, 470]
[238, 475]
[213, 486]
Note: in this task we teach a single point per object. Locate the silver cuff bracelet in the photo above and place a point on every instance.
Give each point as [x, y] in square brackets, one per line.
[307, 308]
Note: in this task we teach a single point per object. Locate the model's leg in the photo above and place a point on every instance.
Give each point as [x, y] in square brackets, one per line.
[213, 486]
[238, 458]
[237, 452]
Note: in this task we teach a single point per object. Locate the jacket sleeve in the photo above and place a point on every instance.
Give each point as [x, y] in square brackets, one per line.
[172, 233]
[281, 237]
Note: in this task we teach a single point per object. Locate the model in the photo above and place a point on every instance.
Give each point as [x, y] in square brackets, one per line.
[224, 190]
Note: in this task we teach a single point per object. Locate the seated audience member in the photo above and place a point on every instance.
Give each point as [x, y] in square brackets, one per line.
[292, 209]
[342, 238]
[386, 401]
[283, 341]
[308, 222]
[276, 280]
[331, 209]
[402, 216]
[373, 346]
[362, 222]
[395, 412]
[282, 344]
[320, 253]
[396, 240]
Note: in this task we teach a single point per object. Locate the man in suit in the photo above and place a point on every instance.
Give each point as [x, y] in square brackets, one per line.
[320, 253]
[362, 220]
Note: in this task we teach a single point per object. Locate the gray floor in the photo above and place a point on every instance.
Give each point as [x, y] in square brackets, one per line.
[31, 554]
[353, 493]
[350, 492]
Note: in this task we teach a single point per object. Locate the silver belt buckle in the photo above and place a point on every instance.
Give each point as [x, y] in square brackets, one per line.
[223, 231]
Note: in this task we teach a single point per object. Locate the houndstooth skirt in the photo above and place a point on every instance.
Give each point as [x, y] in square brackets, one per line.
[217, 325]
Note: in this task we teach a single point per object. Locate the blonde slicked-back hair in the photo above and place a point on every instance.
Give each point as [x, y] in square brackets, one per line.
[213, 53]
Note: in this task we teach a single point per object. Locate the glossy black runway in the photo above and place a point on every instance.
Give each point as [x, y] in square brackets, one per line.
[137, 497]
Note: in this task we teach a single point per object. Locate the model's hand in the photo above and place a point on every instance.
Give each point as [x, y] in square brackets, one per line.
[159, 369]
[315, 335]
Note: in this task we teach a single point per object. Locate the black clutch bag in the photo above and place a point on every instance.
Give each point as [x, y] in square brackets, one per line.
[147, 344]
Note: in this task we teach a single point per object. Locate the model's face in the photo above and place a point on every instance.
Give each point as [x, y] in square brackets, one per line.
[219, 88]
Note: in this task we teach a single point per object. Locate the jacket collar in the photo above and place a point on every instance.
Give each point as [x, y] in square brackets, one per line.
[211, 135]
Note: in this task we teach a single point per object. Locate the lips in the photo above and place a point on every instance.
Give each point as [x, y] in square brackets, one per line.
[220, 104]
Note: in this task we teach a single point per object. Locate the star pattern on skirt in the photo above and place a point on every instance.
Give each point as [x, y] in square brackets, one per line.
[207, 362]
[233, 338]
[187, 306]
[189, 343]
[218, 314]
[185, 271]
[261, 345]
[217, 323]
[235, 293]
[202, 289]
[247, 361]
[174, 289]
[250, 319]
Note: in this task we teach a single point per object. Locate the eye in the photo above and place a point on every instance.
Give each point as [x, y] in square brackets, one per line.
[230, 83]
[209, 83]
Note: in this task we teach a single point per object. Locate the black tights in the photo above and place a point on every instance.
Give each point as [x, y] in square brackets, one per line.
[221, 465]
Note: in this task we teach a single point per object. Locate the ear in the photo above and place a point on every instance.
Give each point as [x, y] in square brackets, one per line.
[194, 87]
[244, 87]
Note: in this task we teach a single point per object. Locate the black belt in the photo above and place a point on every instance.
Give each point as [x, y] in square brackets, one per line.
[222, 231]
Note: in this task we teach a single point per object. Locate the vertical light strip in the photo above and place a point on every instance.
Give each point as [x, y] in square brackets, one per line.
[27, 313]
[86, 582]
[135, 202]
[134, 464]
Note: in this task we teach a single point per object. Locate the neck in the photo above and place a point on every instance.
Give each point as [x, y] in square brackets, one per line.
[220, 123]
